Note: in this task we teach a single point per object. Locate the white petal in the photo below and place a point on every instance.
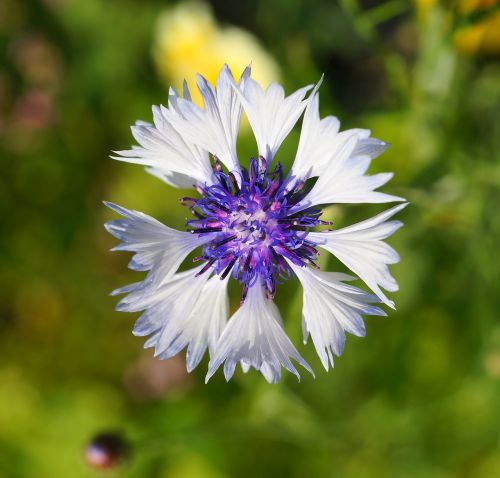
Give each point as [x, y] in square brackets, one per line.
[168, 311]
[214, 128]
[271, 115]
[207, 320]
[177, 180]
[320, 144]
[185, 311]
[371, 147]
[343, 180]
[254, 337]
[361, 248]
[157, 248]
[178, 295]
[166, 152]
[331, 308]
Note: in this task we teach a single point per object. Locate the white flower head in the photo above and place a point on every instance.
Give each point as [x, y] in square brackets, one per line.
[256, 225]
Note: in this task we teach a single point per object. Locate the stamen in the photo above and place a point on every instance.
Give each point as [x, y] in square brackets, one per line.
[227, 270]
[225, 241]
[217, 167]
[219, 206]
[204, 230]
[232, 178]
[187, 201]
[206, 267]
[244, 293]
[253, 225]
[246, 267]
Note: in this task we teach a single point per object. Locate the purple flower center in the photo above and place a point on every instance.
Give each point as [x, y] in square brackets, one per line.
[252, 225]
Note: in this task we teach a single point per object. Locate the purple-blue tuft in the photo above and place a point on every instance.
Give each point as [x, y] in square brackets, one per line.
[253, 226]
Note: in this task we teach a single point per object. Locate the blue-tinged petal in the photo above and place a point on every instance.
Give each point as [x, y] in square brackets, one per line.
[215, 127]
[158, 248]
[166, 153]
[255, 338]
[172, 178]
[271, 114]
[343, 179]
[187, 311]
[319, 140]
[207, 321]
[321, 145]
[371, 147]
[332, 308]
[361, 248]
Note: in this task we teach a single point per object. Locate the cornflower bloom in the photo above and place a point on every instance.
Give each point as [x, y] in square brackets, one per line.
[256, 225]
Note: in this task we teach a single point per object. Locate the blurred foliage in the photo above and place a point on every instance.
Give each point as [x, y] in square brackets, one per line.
[419, 397]
[189, 41]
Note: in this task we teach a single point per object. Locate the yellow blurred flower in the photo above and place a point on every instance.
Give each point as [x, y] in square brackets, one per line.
[423, 8]
[482, 36]
[189, 40]
[468, 6]
[492, 365]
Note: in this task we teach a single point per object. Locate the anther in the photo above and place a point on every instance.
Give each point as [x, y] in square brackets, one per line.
[206, 267]
[225, 241]
[187, 201]
[204, 230]
[246, 267]
[227, 270]
[217, 164]
[234, 183]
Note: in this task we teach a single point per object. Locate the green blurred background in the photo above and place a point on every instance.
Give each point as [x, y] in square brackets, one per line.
[418, 397]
